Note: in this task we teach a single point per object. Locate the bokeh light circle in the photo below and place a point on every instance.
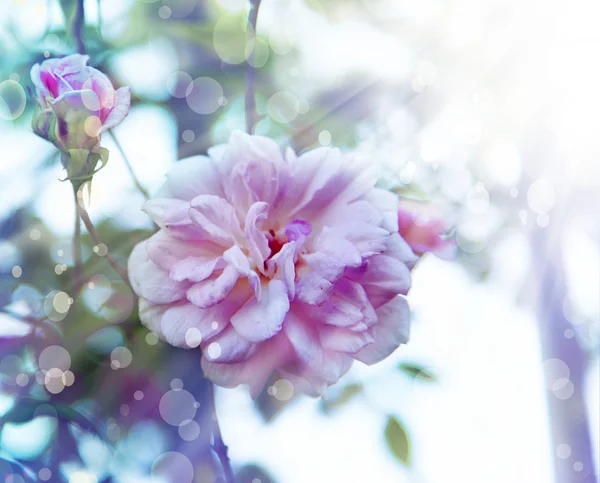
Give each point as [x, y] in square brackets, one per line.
[229, 38]
[179, 84]
[12, 100]
[206, 95]
[189, 430]
[193, 337]
[540, 196]
[175, 407]
[120, 357]
[283, 107]
[283, 390]
[172, 467]
[54, 356]
[563, 451]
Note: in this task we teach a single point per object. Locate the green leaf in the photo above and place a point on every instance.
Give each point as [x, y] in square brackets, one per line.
[27, 408]
[417, 372]
[398, 440]
[346, 395]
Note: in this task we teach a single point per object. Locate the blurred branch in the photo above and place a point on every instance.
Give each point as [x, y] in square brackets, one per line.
[219, 447]
[252, 116]
[138, 185]
[74, 14]
[99, 19]
[567, 413]
[96, 238]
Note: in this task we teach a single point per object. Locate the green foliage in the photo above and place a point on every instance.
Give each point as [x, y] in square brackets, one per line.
[30, 408]
[417, 372]
[346, 395]
[398, 440]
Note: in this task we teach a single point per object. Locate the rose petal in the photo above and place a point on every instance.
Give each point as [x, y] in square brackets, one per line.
[150, 281]
[391, 330]
[120, 110]
[260, 320]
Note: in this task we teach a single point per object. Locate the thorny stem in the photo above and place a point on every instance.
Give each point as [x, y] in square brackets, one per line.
[96, 238]
[251, 115]
[138, 185]
[218, 446]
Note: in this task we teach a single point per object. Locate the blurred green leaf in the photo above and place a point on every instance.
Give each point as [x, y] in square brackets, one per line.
[29, 408]
[347, 394]
[251, 473]
[417, 372]
[268, 405]
[398, 440]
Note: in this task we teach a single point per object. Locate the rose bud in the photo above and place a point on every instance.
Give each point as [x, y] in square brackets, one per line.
[76, 103]
[424, 232]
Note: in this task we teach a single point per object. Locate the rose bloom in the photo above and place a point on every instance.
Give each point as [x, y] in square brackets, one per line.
[272, 261]
[76, 103]
[424, 233]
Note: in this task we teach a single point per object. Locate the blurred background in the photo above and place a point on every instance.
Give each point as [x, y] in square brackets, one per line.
[482, 111]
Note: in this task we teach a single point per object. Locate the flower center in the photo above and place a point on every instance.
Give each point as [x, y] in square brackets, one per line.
[296, 231]
[275, 242]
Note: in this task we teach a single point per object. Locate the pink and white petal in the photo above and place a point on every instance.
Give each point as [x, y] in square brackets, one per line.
[151, 315]
[150, 281]
[304, 338]
[281, 266]
[335, 365]
[196, 269]
[260, 320]
[235, 257]
[356, 294]
[313, 289]
[384, 278]
[360, 210]
[391, 330]
[167, 211]
[217, 218]
[214, 290]
[386, 203]
[255, 371]
[120, 110]
[228, 347]
[194, 176]
[41, 89]
[256, 241]
[179, 319]
[368, 239]
[344, 340]
[400, 250]
[326, 266]
[166, 250]
[337, 311]
[333, 244]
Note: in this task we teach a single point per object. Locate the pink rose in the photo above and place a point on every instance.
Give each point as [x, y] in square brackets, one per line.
[76, 103]
[272, 261]
[424, 233]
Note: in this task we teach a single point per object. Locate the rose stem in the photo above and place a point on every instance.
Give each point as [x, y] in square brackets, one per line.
[138, 185]
[76, 247]
[96, 238]
[251, 115]
[218, 446]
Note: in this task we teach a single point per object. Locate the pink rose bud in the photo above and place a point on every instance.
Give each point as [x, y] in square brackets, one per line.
[424, 233]
[76, 103]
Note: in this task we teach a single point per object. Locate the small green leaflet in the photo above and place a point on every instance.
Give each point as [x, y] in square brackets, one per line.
[417, 372]
[398, 440]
